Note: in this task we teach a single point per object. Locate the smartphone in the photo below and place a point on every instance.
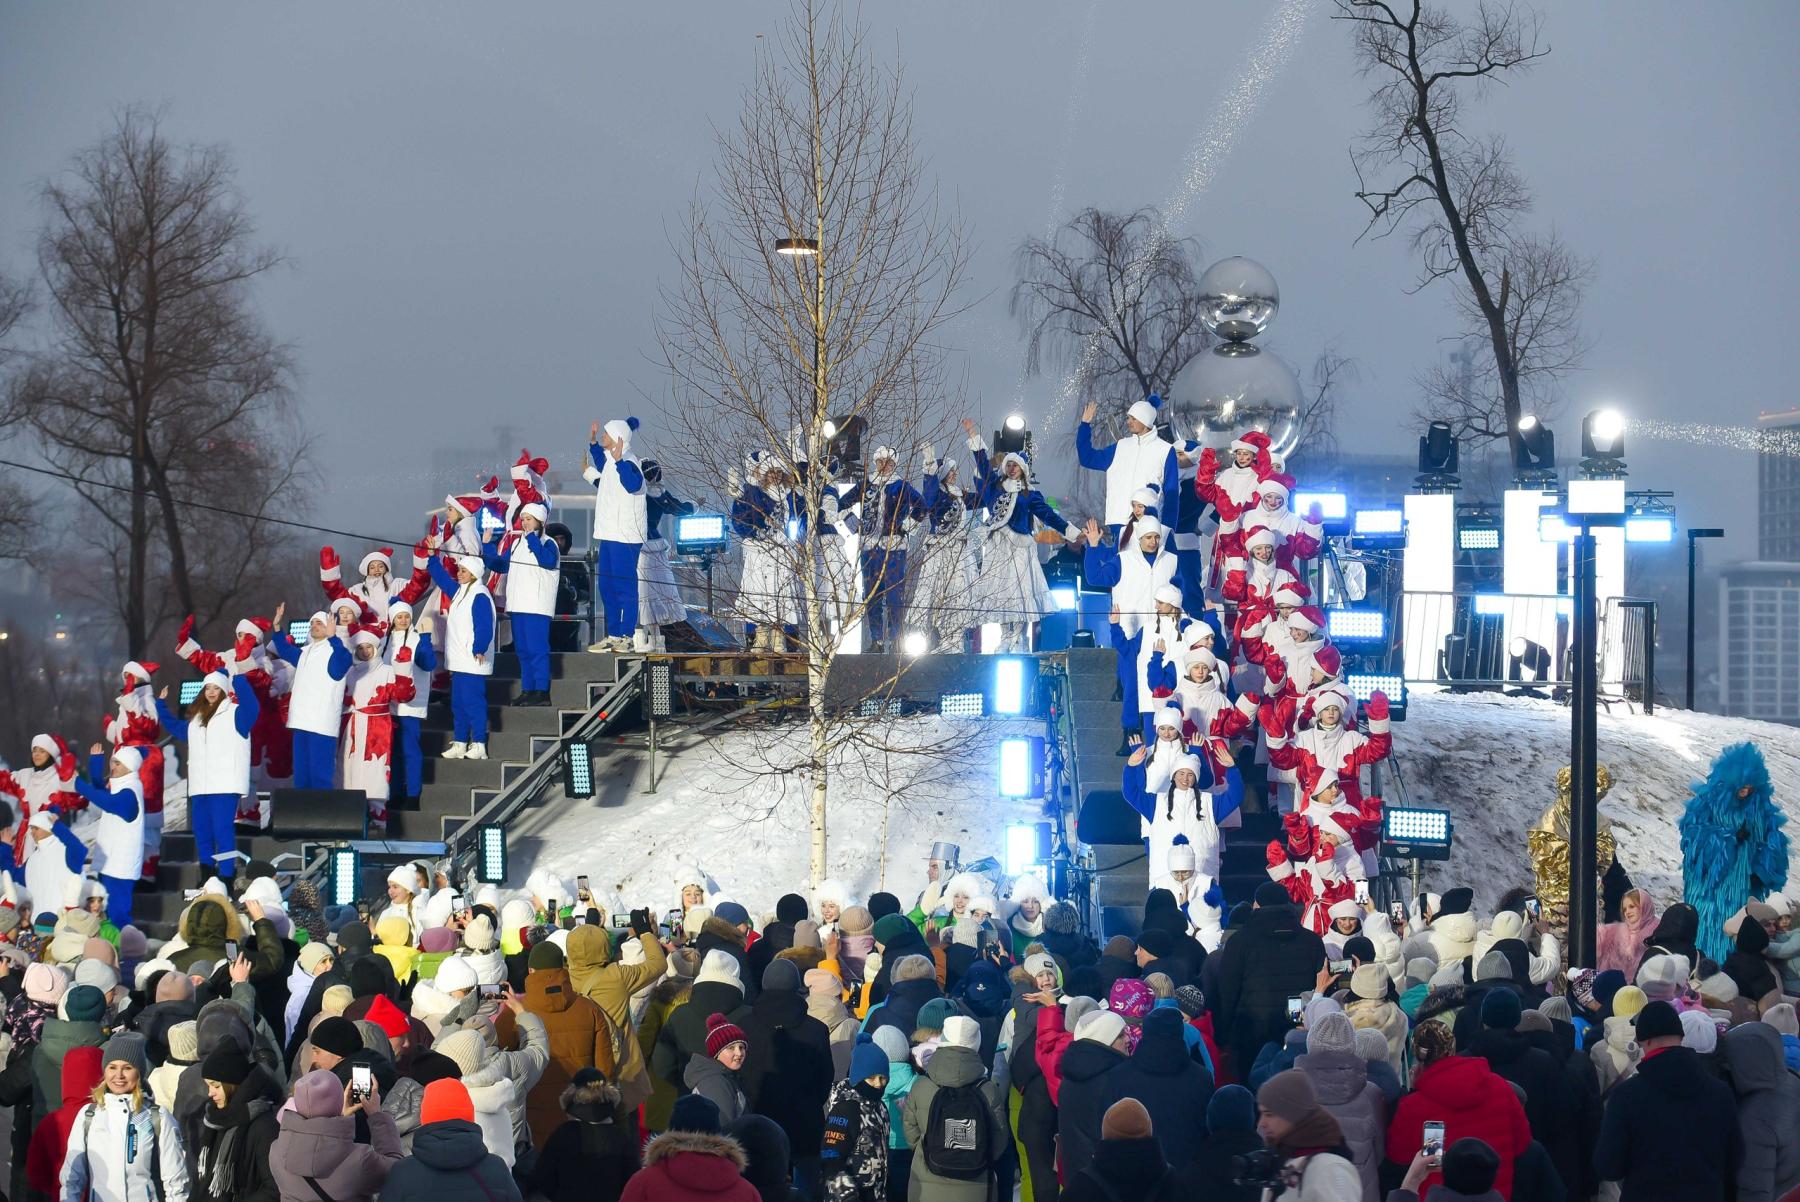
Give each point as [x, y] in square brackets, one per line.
[230, 952]
[554, 911]
[1397, 912]
[362, 1082]
[581, 886]
[457, 904]
[1339, 967]
[621, 921]
[1434, 1139]
[1294, 1010]
[486, 990]
[1534, 909]
[1362, 892]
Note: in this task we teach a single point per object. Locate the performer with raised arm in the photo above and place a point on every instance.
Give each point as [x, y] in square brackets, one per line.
[1012, 587]
[115, 788]
[530, 561]
[316, 701]
[891, 509]
[469, 653]
[217, 732]
[946, 577]
[134, 724]
[621, 523]
[46, 783]
[1142, 457]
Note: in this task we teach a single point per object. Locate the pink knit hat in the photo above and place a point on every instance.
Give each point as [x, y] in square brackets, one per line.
[45, 984]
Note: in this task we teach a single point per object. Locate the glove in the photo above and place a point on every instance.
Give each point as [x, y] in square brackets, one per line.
[404, 656]
[1209, 462]
[422, 550]
[872, 965]
[928, 457]
[734, 483]
[1377, 708]
[328, 559]
[186, 632]
[1265, 716]
[1276, 854]
[243, 647]
[640, 922]
[433, 532]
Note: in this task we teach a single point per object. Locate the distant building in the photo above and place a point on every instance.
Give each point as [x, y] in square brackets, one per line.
[1778, 488]
[1759, 658]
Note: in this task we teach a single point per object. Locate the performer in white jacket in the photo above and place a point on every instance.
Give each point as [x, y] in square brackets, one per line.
[620, 525]
[371, 691]
[316, 698]
[468, 653]
[530, 561]
[217, 732]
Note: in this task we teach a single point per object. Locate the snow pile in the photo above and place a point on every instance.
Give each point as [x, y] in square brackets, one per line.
[1492, 761]
[727, 808]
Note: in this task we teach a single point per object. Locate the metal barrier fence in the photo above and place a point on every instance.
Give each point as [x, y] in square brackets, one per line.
[1495, 640]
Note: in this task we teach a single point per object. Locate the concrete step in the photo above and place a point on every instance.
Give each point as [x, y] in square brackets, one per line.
[570, 665]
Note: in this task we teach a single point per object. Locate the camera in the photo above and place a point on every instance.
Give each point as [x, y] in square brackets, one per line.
[1261, 1168]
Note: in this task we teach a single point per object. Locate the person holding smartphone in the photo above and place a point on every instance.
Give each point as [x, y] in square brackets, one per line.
[1291, 1121]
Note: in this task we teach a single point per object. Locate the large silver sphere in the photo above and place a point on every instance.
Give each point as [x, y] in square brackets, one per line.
[1238, 299]
[1235, 388]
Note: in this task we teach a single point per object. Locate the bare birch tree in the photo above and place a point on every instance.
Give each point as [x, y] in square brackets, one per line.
[157, 385]
[814, 272]
[1461, 200]
[15, 303]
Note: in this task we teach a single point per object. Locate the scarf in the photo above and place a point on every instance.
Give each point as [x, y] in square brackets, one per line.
[1316, 1132]
[220, 1169]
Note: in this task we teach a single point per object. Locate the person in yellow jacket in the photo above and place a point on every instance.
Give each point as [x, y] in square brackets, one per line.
[393, 940]
[598, 975]
[670, 992]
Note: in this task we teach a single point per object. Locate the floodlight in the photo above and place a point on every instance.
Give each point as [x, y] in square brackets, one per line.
[190, 689]
[1603, 435]
[1333, 506]
[1015, 421]
[578, 770]
[878, 707]
[1478, 538]
[1009, 686]
[1010, 439]
[915, 644]
[961, 705]
[1355, 625]
[1066, 597]
[1555, 528]
[346, 875]
[659, 689]
[1534, 454]
[1649, 528]
[1027, 845]
[1364, 685]
[1529, 656]
[490, 853]
[699, 533]
[299, 630]
[1597, 496]
[1380, 522]
[1415, 833]
[798, 247]
[1022, 767]
[1489, 605]
[1438, 453]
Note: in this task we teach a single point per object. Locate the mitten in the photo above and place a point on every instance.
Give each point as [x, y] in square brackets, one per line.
[186, 632]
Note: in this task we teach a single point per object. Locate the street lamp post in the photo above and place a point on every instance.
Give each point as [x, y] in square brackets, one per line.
[1583, 756]
[1693, 553]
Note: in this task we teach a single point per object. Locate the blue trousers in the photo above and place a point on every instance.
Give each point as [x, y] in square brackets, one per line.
[468, 707]
[211, 815]
[531, 640]
[118, 899]
[884, 579]
[619, 587]
[1125, 650]
[405, 781]
[315, 760]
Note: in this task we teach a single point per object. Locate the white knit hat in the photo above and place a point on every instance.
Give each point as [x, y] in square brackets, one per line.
[1169, 716]
[471, 564]
[961, 1031]
[380, 555]
[454, 973]
[1262, 536]
[467, 1048]
[719, 966]
[1102, 1026]
[405, 876]
[531, 509]
[1181, 857]
[1144, 411]
[1168, 594]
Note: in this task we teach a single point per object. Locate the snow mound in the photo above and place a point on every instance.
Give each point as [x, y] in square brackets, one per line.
[734, 807]
[1492, 760]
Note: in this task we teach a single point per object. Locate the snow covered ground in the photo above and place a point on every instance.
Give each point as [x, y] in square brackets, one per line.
[1492, 761]
[723, 806]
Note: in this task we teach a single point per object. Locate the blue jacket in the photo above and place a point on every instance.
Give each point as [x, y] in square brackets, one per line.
[755, 508]
[897, 501]
[660, 505]
[1031, 503]
[100, 795]
[542, 549]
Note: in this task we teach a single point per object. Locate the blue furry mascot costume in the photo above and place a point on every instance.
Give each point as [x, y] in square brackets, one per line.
[1732, 844]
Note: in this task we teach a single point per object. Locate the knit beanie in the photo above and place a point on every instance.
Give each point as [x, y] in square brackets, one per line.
[184, 1042]
[439, 939]
[1419, 970]
[1535, 1021]
[1288, 1095]
[226, 1063]
[1607, 984]
[695, 1112]
[1119, 947]
[545, 955]
[45, 984]
[868, 1059]
[1370, 982]
[446, 1100]
[1494, 967]
[820, 983]
[1557, 1009]
[129, 1047]
[781, 976]
[1470, 1166]
[1232, 1108]
[881, 905]
[1699, 1032]
[890, 927]
[933, 1013]
[1269, 895]
[1191, 1000]
[855, 920]
[1628, 1001]
[1335, 1033]
[337, 1035]
[1126, 1119]
[313, 955]
[733, 913]
[1781, 1016]
[478, 936]
[336, 999]
[891, 1041]
[1155, 943]
[319, 1094]
[791, 907]
[99, 949]
[806, 934]
[1318, 1008]
[433, 1066]
[1371, 1044]
[374, 1039]
[719, 965]
[390, 1018]
[84, 1004]
[456, 972]
[1061, 918]
[1662, 976]
[961, 1031]
[467, 1048]
[1100, 1026]
[721, 1033]
[366, 977]
[1500, 1010]
[1657, 1019]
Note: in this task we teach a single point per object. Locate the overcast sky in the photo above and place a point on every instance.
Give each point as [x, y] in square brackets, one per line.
[475, 196]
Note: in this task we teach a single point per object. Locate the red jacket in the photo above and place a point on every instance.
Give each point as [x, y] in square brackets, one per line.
[81, 1070]
[691, 1166]
[1052, 1042]
[1471, 1100]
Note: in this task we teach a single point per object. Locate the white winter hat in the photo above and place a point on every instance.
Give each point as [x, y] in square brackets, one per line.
[1699, 1032]
[1262, 536]
[319, 615]
[99, 974]
[531, 509]
[264, 889]
[1181, 856]
[961, 1031]
[471, 564]
[216, 887]
[143, 971]
[45, 744]
[1039, 962]
[1199, 655]
[1148, 526]
[965, 883]
[405, 876]
[1508, 924]
[1102, 1026]
[984, 902]
[1288, 593]
[621, 429]
[219, 677]
[137, 671]
[130, 757]
[1188, 763]
[1345, 909]
[1144, 411]
[831, 890]
[364, 638]
[378, 556]
[1662, 976]
[719, 966]
[349, 603]
[885, 452]
[1026, 886]
[397, 607]
[455, 972]
[44, 820]
[1168, 594]
[254, 627]
[1272, 488]
[1149, 498]
[1169, 716]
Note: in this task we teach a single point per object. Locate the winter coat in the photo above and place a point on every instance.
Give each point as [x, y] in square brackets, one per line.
[609, 983]
[899, 1083]
[208, 923]
[1341, 1081]
[1549, 1106]
[580, 1037]
[711, 1079]
[910, 943]
[1173, 1088]
[1388, 1018]
[1768, 1101]
[1272, 957]
[240, 1137]
[691, 1166]
[840, 1024]
[1213, 1175]
[1324, 1177]
[787, 1072]
[590, 1157]
[901, 1007]
[855, 1152]
[1132, 1170]
[1616, 1056]
[950, 1067]
[326, 1150]
[1470, 1099]
[1082, 1101]
[1576, 1107]
[1754, 977]
[669, 995]
[96, 1165]
[1670, 1132]
[1452, 938]
[684, 1031]
[57, 1037]
[449, 1163]
[50, 1139]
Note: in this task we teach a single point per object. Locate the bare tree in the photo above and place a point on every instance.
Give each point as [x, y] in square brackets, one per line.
[158, 385]
[15, 303]
[1461, 199]
[773, 349]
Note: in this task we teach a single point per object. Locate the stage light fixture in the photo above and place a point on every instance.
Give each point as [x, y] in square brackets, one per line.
[1380, 522]
[1603, 435]
[1015, 421]
[1597, 496]
[1027, 846]
[1009, 686]
[299, 630]
[1478, 538]
[346, 875]
[1010, 438]
[961, 705]
[915, 644]
[1529, 656]
[1438, 456]
[1649, 528]
[1022, 767]
[490, 853]
[1416, 833]
[797, 247]
[1534, 454]
[1555, 528]
[880, 707]
[190, 689]
[1333, 506]
[1490, 605]
[699, 533]
[1066, 597]
[578, 770]
[1364, 685]
[1355, 625]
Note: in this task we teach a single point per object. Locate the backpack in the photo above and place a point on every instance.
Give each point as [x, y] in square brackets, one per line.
[150, 1108]
[959, 1141]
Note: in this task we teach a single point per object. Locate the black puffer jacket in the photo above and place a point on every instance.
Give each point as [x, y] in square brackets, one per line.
[233, 1160]
[1261, 966]
[788, 1070]
[449, 1163]
[1172, 1087]
[1081, 1102]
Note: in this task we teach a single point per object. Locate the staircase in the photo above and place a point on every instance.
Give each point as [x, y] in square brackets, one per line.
[451, 791]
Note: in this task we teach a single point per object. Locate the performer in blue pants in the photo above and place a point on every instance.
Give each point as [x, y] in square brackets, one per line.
[316, 700]
[620, 526]
[468, 652]
[113, 788]
[217, 734]
[531, 563]
[892, 507]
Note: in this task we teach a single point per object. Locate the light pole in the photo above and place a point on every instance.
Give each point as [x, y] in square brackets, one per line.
[1693, 559]
[808, 248]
